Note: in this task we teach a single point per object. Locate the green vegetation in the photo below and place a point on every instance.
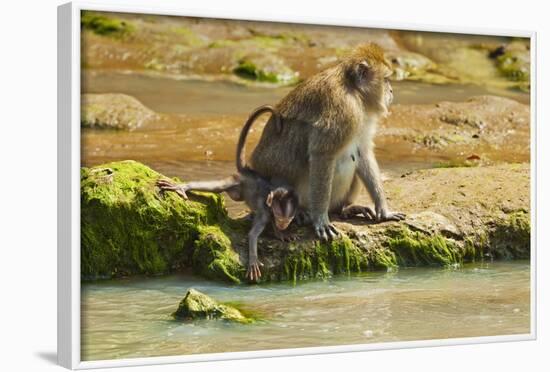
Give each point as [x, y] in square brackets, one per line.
[413, 248]
[247, 69]
[127, 227]
[103, 25]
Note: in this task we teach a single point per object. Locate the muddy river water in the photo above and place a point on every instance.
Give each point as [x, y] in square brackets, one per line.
[131, 318]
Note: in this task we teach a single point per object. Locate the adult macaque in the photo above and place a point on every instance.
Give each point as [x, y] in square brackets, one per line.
[325, 148]
[273, 201]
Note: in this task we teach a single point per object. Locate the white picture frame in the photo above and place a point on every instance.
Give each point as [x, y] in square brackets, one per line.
[69, 189]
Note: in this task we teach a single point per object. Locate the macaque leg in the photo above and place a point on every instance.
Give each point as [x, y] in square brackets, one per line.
[260, 221]
[320, 186]
[369, 173]
[231, 185]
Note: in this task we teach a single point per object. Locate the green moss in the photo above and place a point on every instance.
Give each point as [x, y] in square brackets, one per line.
[214, 256]
[127, 227]
[414, 248]
[513, 68]
[247, 69]
[381, 258]
[103, 25]
[456, 163]
[188, 36]
[511, 237]
[197, 305]
[321, 260]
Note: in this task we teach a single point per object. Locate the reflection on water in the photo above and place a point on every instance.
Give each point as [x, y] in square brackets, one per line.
[131, 318]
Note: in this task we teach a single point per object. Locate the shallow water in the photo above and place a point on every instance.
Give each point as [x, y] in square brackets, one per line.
[197, 97]
[131, 318]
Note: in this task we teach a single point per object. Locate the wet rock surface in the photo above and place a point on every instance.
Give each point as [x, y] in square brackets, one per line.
[114, 111]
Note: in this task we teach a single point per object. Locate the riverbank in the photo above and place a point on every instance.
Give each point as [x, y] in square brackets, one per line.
[454, 215]
[272, 54]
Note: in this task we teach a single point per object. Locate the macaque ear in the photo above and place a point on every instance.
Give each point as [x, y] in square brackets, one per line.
[362, 70]
[269, 199]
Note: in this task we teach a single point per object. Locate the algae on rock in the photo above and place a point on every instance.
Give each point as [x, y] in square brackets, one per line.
[127, 227]
[197, 305]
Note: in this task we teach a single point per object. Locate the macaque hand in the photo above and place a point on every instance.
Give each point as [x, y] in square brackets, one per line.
[324, 229]
[382, 215]
[253, 273]
[166, 185]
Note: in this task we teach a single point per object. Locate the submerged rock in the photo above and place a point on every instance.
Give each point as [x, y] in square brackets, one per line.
[454, 215]
[197, 305]
[113, 111]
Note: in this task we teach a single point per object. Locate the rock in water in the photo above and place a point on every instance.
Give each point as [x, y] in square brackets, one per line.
[197, 305]
[114, 111]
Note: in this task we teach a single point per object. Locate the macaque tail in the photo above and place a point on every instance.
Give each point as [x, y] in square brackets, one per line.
[241, 166]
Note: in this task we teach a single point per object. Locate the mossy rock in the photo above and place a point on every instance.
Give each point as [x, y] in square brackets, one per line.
[265, 69]
[130, 227]
[104, 25]
[196, 305]
[514, 61]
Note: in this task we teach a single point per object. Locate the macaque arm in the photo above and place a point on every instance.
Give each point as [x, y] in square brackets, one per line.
[321, 173]
[231, 185]
[258, 225]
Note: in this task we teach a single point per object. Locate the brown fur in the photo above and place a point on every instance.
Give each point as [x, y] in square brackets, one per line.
[324, 117]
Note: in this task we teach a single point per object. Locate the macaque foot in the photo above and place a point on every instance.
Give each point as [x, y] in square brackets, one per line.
[166, 185]
[325, 230]
[253, 273]
[385, 215]
[351, 211]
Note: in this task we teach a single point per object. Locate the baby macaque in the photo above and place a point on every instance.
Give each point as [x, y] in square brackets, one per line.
[270, 201]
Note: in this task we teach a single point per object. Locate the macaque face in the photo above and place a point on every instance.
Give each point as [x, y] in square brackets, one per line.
[283, 208]
[372, 79]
